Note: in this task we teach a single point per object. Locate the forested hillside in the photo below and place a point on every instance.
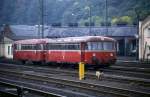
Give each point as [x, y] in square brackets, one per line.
[73, 11]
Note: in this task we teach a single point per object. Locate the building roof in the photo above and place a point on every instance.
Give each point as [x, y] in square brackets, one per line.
[146, 20]
[125, 31]
[27, 31]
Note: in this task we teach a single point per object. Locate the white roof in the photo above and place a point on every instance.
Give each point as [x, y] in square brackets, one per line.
[31, 41]
[65, 40]
[80, 39]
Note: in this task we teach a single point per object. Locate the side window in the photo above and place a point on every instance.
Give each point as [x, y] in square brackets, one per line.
[108, 46]
[45, 46]
[100, 46]
[74, 46]
[63, 46]
[28, 47]
[38, 47]
[89, 47]
[94, 46]
[17, 46]
[50, 46]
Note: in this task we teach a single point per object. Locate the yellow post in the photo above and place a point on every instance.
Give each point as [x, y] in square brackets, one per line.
[81, 70]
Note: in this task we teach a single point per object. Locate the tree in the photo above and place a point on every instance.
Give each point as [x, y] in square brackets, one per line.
[122, 20]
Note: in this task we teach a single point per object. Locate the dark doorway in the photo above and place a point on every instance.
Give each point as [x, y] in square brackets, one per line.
[121, 47]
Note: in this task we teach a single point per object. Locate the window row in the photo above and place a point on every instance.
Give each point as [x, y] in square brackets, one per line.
[100, 46]
[28, 47]
[63, 46]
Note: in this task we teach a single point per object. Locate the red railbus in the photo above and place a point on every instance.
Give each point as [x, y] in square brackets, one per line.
[93, 50]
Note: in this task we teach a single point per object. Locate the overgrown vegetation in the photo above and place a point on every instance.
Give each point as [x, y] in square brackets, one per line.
[74, 11]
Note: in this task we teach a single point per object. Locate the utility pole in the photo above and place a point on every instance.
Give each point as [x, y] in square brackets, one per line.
[41, 24]
[106, 16]
[137, 34]
[90, 18]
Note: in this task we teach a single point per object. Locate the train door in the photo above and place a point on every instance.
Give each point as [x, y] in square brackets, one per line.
[40, 52]
[82, 51]
[121, 47]
[43, 52]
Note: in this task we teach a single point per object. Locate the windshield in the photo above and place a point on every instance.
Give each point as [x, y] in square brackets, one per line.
[100, 46]
[108, 45]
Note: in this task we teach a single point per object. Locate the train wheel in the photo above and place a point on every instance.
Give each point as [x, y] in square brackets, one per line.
[108, 65]
[34, 62]
[23, 62]
[43, 63]
[74, 66]
[38, 62]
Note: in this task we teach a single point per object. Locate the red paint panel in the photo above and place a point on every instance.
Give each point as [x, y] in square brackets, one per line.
[104, 57]
[72, 56]
[53, 56]
[63, 56]
[29, 55]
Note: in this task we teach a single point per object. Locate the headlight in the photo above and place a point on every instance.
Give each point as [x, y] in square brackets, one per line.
[111, 54]
[94, 54]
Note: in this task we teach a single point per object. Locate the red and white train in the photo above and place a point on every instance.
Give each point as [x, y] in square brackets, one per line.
[93, 50]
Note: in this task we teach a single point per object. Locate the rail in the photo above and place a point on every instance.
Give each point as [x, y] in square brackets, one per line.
[97, 87]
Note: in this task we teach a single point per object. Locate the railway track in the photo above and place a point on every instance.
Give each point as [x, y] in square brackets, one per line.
[132, 68]
[134, 64]
[60, 83]
[109, 75]
[99, 88]
[103, 87]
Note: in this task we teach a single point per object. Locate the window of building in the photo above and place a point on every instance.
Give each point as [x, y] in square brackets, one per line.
[9, 50]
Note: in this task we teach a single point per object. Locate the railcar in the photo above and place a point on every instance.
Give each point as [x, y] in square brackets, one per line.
[29, 50]
[92, 50]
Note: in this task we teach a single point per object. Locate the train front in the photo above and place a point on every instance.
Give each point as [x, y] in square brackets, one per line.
[100, 53]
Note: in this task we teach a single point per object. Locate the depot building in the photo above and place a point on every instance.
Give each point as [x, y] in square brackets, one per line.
[125, 36]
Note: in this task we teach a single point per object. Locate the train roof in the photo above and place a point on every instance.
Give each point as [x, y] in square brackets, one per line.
[31, 41]
[65, 40]
[80, 39]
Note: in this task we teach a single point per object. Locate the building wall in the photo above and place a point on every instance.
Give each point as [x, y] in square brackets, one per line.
[8, 51]
[144, 39]
[2, 50]
[6, 48]
[126, 46]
